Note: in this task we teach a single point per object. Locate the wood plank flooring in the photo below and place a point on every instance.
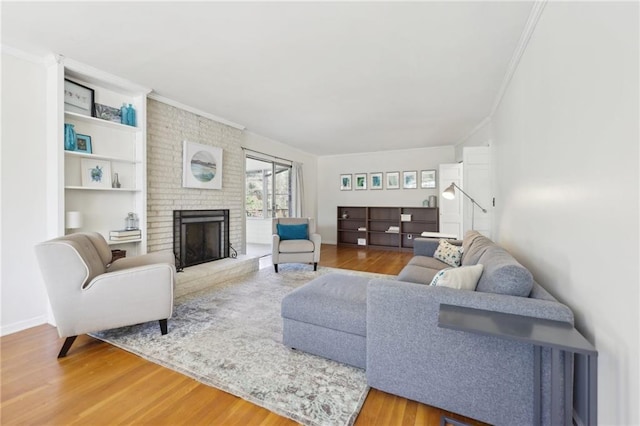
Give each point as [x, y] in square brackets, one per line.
[99, 384]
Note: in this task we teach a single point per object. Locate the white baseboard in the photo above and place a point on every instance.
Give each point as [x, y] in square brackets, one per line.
[22, 325]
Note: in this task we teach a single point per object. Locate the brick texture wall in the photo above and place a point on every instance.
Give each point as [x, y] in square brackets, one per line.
[167, 128]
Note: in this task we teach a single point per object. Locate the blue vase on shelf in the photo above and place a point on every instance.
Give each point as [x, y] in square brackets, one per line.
[131, 116]
[69, 137]
[124, 114]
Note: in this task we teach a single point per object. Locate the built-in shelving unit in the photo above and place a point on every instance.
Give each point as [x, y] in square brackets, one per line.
[384, 227]
[121, 147]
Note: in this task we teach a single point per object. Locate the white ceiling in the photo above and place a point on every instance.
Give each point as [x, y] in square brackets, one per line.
[327, 78]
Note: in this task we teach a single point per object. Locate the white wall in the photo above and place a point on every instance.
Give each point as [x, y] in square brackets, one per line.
[566, 147]
[331, 167]
[23, 177]
[481, 136]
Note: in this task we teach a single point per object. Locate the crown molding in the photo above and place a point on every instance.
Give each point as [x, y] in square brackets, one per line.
[193, 110]
[521, 47]
[21, 54]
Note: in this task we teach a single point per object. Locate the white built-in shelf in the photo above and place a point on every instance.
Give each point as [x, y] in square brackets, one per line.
[100, 157]
[101, 122]
[113, 243]
[88, 188]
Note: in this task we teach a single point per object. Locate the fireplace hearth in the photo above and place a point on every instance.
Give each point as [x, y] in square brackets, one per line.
[200, 236]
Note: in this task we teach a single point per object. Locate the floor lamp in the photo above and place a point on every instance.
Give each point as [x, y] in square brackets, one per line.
[450, 194]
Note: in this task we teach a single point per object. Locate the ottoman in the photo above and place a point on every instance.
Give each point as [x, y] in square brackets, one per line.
[328, 317]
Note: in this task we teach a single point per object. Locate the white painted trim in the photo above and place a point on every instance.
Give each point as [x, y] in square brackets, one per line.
[530, 26]
[22, 325]
[93, 75]
[473, 131]
[21, 54]
[196, 111]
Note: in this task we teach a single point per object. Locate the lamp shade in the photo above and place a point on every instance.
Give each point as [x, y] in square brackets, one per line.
[73, 220]
[450, 192]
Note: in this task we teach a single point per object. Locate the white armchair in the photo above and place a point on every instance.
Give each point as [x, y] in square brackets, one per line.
[298, 250]
[90, 293]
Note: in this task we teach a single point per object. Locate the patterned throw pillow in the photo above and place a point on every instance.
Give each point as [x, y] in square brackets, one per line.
[448, 253]
[462, 278]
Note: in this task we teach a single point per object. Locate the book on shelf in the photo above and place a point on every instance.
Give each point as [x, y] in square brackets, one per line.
[127, 238]
[393, 230]
[125, 233]
[362, 228]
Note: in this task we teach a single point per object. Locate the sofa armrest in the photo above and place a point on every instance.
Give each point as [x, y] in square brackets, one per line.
[316, 239]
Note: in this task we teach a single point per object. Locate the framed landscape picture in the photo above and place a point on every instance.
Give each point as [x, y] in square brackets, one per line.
[78, 98]
[410, 180]
[202, 166]
[376, 180]
[393, 180]
[345, 182]
[428, 179]
[361, 180]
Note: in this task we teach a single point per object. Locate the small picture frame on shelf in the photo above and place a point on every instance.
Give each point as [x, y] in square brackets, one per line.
[78, 98]
[428, 179]
[393, 180]
[106, 112]
[95, 173]
[376, 180]
[361, 181]
[83, 144]
[345, 182]
[409, 180]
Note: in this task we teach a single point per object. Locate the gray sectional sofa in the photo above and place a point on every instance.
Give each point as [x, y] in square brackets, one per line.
[404, 351]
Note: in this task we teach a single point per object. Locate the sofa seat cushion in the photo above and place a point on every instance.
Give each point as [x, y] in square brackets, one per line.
[334, 301]
[503, 274]
[296, 246]
[418, 274]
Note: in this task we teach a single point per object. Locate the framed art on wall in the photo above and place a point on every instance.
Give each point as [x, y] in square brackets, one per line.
[393, 180]
[96, 173]
[361, 180]
[409, 180]
[376, 180]
[428, 179]
[201, 166]
[345, 182]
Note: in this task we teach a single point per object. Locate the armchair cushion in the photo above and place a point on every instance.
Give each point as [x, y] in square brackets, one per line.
[296, 246]
[293, 232]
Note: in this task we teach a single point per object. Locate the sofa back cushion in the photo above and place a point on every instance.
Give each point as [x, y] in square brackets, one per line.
[502, 273]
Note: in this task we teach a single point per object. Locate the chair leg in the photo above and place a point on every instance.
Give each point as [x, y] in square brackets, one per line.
[275, 266]
[315, 266]
[163, 326]
[66, 346]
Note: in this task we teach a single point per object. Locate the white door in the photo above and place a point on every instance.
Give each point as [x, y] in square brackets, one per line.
[451, 210]
[477, 183]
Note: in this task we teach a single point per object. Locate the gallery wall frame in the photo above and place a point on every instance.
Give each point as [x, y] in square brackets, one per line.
[375, 180]
[361, 181]
[393, 180]
[410, 179]
[345, 182]
[428, 179]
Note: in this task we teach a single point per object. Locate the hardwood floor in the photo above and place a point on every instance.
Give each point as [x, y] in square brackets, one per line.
[99, 384]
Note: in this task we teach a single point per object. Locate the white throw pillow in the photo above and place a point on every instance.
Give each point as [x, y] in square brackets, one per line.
[448, 253]
[462, 278]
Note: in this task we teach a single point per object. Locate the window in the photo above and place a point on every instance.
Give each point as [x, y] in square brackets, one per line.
[264, 197]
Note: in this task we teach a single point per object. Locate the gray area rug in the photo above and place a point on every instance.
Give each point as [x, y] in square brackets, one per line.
[229, 336]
